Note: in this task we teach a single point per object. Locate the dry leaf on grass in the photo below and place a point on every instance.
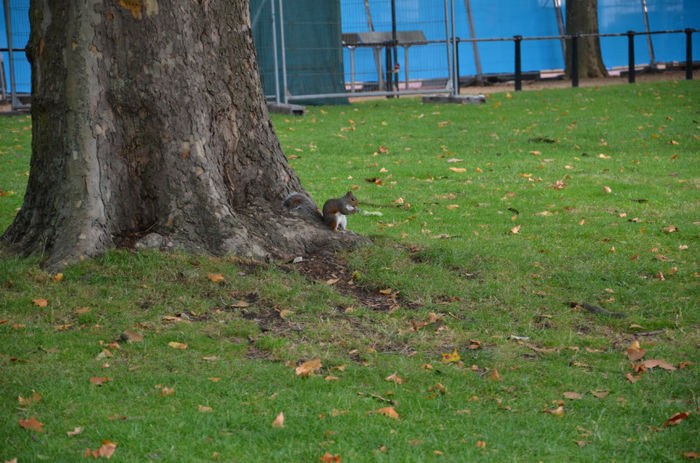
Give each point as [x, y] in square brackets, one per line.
[75, 432]
[676, 418]
[106, 451]
[386, 411]
[328, 458]
[99, 381]
[31, 424]
[35, 397]
[307, 368]
[279, 421]
[178, 345]
[394, 378]
[635, 351]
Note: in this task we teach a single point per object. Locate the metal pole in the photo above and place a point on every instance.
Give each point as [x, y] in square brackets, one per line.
[16, 104]
[630, 57]
[455, 68]
[475, 48]
[389, 67]
[375, 50]
[394, 72]
[560, 26]
[447, 48]
[518, 72]
[284, 53]
[274, 51]
[352, 69]
[689, 54]
[646, 27]
[405, 63]
[574, 60]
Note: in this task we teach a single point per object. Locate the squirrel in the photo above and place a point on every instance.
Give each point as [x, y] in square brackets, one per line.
[334, 212]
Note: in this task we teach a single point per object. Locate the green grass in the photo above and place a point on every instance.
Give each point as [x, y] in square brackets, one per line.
[448, 249]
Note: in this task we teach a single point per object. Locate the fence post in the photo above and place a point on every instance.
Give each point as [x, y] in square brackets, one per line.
[457, 65]
[518, 70]
[689, 54]
[574, 60]
[630, 54]
[389, 67]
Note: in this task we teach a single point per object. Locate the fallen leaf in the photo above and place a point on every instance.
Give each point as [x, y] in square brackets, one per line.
[607, 189]
[215, 277]
[40, 302]
[210, 358]
[279, 421]
[82, 310]
[581, 443]
[241, 304]
[495, 376]
[451, 358]
[558, 412]
[572, 395]
[386, 411]
[686, 455]
[394, 378]
[106, 451]
[328, 458]
[632, 378]
[331, 378]
[166, 391]
[31, 424]
[29, 400]
[600, 394]
[670, 229]
[515, 230]
[635, 351]
[649, 364]
[130, 336]
[75, 432]
[57, 277]
[306, 368]
[178, 345]
[204, 408]
[676, 418]
[458, 169]
[98, 381]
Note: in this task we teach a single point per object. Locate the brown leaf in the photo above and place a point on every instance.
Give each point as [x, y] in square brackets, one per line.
[632, 378]
[166, 391]
[386, 411]
[495, 376]
[572, 395]
[600, 394]
[215, 277]
[669, 229]
[204, 408]
[649, 364]
[279, 421]
[57, 277]
[106, 451]
[130, 336]
[178, 345]
[676, 418]
[515, 230]
[40, 302]
[98, 381]
[29, 400]
[458, 169]
[686, 455]
[75, 432]
[328, 458]
[635, 351]
[394, 378]
[306, 368]
[558, 412]
[31, 424]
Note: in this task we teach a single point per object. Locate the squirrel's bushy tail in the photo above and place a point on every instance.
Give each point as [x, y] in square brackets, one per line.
[300, 202]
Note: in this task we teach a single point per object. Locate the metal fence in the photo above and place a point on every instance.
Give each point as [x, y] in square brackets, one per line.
[329, 50]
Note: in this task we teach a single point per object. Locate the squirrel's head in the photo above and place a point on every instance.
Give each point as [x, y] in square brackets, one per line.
[351, 197]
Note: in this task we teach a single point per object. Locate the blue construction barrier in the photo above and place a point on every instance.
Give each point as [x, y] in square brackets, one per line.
[19, 16]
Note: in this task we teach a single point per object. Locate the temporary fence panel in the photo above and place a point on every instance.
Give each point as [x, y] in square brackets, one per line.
[421, 58]
[19, 22]
[508, 18]
[306, 38]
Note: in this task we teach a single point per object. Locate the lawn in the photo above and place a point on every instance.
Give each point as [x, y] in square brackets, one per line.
[531, 295]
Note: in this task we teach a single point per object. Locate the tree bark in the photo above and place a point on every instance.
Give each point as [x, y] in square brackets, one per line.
[582, 18]
[149, 125]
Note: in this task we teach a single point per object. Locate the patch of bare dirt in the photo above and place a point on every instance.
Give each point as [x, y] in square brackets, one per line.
[329, 270]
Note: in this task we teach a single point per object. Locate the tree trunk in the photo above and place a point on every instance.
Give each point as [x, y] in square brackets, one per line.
[149, 125]
[582, 18]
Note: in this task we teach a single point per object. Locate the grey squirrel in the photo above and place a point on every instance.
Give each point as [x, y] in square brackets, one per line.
[334, 212]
